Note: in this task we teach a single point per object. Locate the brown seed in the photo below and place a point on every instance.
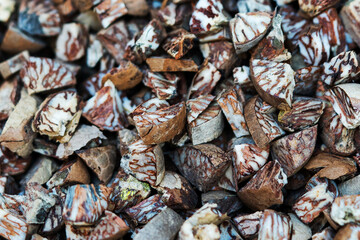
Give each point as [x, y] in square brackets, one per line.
[313, 8]
[248, 224]
[178, 43]
[108, 11]
[274, 225]
[159, 64]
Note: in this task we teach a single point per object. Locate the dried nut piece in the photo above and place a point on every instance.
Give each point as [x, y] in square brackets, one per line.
[105, 109]
[54, 220]
[17, 135]
[331, 166]
[71, 42]
[261, 123]
[300, 230]
[207, 17]
[264, 189]
[306, 80]
[254, 6]
[144, 43]
[149, 106]
[346, 209]
[44, 74]
[161, 125]
[326, 234]
[163, 85]
[39, 18]
[74, 232]
[143, 212]
[248, 224]
[350, 17]
[11, 163]
[94, 51]
[247, 29]
[70, 173]
[349, 232]
[12, 225]
[203, 165]
[319, 196]
[145, 162]
[294, 151]
[164, 64]
[84, 204]
[40, 172]
[7, 91]
[206, 218]
[108, 11]
[6, 9]
[94, 83]
[227, 202]
[197, 106]
[126, 76]
[178, 43]
[228, 231]
[58, 116]
[305, 112]
[176, 192]
[274, 82]
[137, 7]
[313, 8]
[274, 225]
[14, 64]
[8, 185]
[233, 110]
[241, 77]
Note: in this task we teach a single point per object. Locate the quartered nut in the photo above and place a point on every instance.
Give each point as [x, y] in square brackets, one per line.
[227, 202]
[207, 17]
[149, 106]
[108, 11]
[227, 181]
[331, 166]
[176, 192]
[74, 232]
[165, 64]
[274, 82]
[178, 43]
[319, 196]
[261, 123]
[144, 211]
[39, 18]
[346, 209]
[349, 232]
[264, 189]
[197, 106]
[228, 231]
[203, 165]
[12, 225]
[94, 51]
[206, 218]
[247, 29]
[7, 89]
[313, 8]
[326, 234]
[163, 85]
[145, 162]
[274, 225]
[6, 9]
[44, 74]
[306, 80]
[300, 230]
[54, 220]
[350, 17]
[58, 116]
[14, 64]
[71, 42]
[40, 171]
[84, 204]
[248, 224]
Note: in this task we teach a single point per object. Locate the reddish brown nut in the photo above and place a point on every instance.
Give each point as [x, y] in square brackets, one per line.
[178, 43]
[313, 8]
[248, 224]
[261, 123]
[306, 80]
[319, 196]
[12, 226]
[345, 209]
[264, 189]
[254, 6]
[71, 42]
[151, 105]
[160, 64]
[350, 17]
[163, 85]
[6, 9]
[196, 106]
[108, 11]
[14, 64]
[12, 164]
[247, 29]
[349, 232]
[274, 225]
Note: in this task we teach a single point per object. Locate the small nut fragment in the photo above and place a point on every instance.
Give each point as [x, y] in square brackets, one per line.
[94, 51]
[178, 43]
[6, 9]
[8, 90]
[12, 226]
[274, 225]
[227, 202]
[248, 224]
[160, 64]
[197, 106]
[313, 8]
[350, 17]
[326, 234]
[137, 7]
[306, 80]
[40, 172]
[349, 232]
[11, 163]
[109, 10]
[163, 85]
[346, 209]
[14, 64]
[300, 230]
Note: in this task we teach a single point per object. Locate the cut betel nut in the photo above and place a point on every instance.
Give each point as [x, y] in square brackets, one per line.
[227, 202]
[11, 164]
[178, 43]
[197, 105]
[349, 232]
[241, 77]
[313, 8]
[14, 64]
[9, 94]
[12, 225]
[274, 225]
[326, 234]
[165, 64]
[163, 85]
[350, 17]
[138, 8]
[40, 172]
[174, 15]
[248, 224]
[202, 165]
[6, 9]
[265, 188]
[306, 80]
[345, 209]
[228, 231]
[300, 230]
[108, 11]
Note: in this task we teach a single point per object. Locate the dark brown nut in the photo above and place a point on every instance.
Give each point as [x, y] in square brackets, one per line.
[207, 216]
[248, 224]
[127, 191]
[313, 8]
[94, 83]
[350, 17]
[39, 18]
[144, 43]
[145, 162]
[12, 164]
[137, 7]
[160, 64]
[84, 204]
[163, 85]
[178, 43]
[319, 196]
[264, 189]
[300, 230]
[176, 192]
[294, 151]
[305, 112]
[167, 220]
[114, 39]
[58, 116]
[7, 90]
[70, 173]
[8, 185]
[227, 202]
[233, 110]
[228, 231]
[101, 160]
[71, 42]
[261, 123]
[146, 210]
[94, 51]
[12, 225]
[17, 135]
[207, 17]
[345, 209]
[203, 165]
[44, 74]
[306, 80]
[247, 29]
[82, 5]
[108, 11]
[54, 220]
[6, 9]
[274, 225]
[105, 109]
[197, 106]
[274, 81]
[331, 166]
[40, 172]
[14, 64]
[326, 234]
[349, 232]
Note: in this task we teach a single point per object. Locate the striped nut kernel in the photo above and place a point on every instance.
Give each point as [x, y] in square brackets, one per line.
[241, 77]
[274, 225]
[254, 6]
[163, 85]
[58, 116]
[202, 165]
[178, 43]
[306, 80]
[54, 220]
[12, 225]
[349, 232]
[207, 17]
[227, 181]
[39, 18]
[300, 230]
[350, 17]
[248, 224]
[314, 7]
[7, 89]
[149, 106]
[326, 234]
[145, 162]
[94, 83]
[320, 194]
[44, 74]
[11, 164]
[247, 29]
[274, 82]
[13, 64]
[109, 10]
[71, 42]
[197, 106]
[227, 202]
[346, 209]
[265, 188]
[94, 51]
